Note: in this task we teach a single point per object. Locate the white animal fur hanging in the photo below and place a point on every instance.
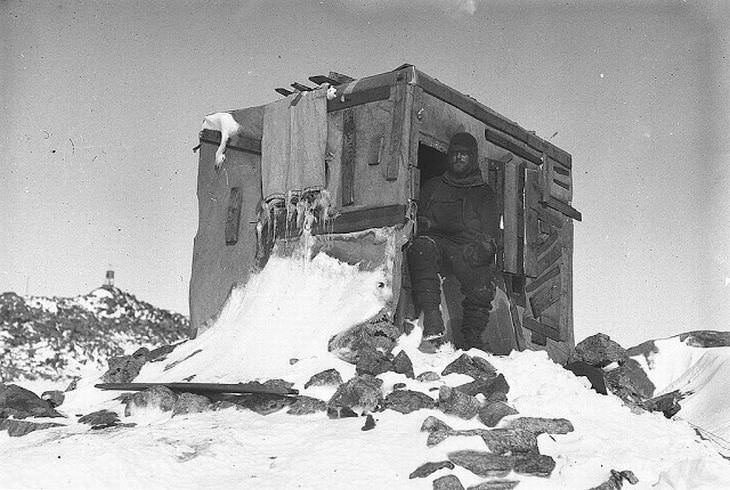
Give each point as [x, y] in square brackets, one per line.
[223, 122]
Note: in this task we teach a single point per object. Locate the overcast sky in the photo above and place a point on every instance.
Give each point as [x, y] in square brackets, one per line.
[102, 103]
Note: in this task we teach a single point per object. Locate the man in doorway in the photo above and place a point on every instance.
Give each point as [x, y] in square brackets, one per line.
[458, 225]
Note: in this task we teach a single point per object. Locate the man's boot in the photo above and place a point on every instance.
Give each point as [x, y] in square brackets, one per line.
[434, 333]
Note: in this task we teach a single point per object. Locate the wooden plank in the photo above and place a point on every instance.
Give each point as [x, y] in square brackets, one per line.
[240, 143]
[512, 145]
[301, 87]
[395, 150]
[563, 208]
[362, 219]
[547, 216]
[240, 388]
[512, 212]
[532, 286]
[560, 170]
[538, 338]
[340, 78]
[549, 258]
[561, 184]
[233, 215]
[320, 79]
[414, 174]
[283, 91]
[542, 328]
[545, 298]
[544, 246]
[490, 118]
[347, 181]
[358, 98]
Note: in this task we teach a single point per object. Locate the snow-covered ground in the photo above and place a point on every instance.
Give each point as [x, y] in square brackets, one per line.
[289, 311]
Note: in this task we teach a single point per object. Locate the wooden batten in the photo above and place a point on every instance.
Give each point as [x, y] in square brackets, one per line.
[347, 186]
[512, 212]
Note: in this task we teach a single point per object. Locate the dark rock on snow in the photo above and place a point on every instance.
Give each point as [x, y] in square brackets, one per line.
[595, 375]
[190, 403]
[616, 480]
[304, 405]
[706, 338]
[454, 402]
[369, 423]
[361, 393]
[125, 368]
[399, 386]
[432, 424]
[534, 464]
[428, 376]
[158, 397]
[329, 377]
[54, 398]
[539, 425]
[492, 413]
[668, 404]
[372, 361]
[378, 333]
[20, 403]
[482, 463]
[630, 383]
[340, 412]
[407, 401]
[448, 482]
[495, 485]
[493, 389]
[100, 419]
[503, 441]
[18, 428]
[402, 364]
[438, 436]
[428, 468]
[476, 367]
[264, 403]
[599, 350]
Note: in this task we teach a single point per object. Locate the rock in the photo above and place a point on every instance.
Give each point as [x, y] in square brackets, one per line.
[399, 386]
[595, 375]
[630, 383]
[73, 384]
[158, 397]
[264, 403]
[304, 405]
[54, 398]
[428, 376]
[293, 361]
[706, 338]
[432, 424]
[100, 419]
[599, 350]
[402, 364]
[329, 377]
[369, 423]
[378, 333]
[492, 413]
[616, 481]
[454, 402]
[125, 368]
[20, 403]
[222, 405]
[439, 436]
[340, 412]
[668, 404]
[160, 353]
[538, 425]
[476, 367]
[278, 384]
[18, 428]
[483, 463]
[493, 389]
[190, 403]
[427, 468]
[407, 401]
[372, 361]
[503, 441]
[359, 393]
[448, 482]
[534, 464]
[495, 485]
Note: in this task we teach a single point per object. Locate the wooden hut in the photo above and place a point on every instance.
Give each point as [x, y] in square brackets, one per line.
[386, 135]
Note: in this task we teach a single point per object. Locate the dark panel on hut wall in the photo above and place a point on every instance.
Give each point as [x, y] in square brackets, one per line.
[233, 215]
[216, 266]
[349, 142]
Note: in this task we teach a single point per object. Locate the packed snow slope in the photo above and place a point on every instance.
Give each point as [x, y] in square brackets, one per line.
[55, 339]
[698, 365]
[289, 311]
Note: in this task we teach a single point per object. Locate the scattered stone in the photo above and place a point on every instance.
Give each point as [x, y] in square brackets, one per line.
[495, 485]
[492, 413]
[538, 425]
[190, 403]
[278, 384]
[493, 389]
[329, 377]
[630, 383]
[73, 384]
[20, 403]
[378, 333]
[125, 368]
[304, 405]
[616, 481]
[222, 405]
[361, 392]
[668, 404]
[160, 353]
[399, 386]
[157, 396]
[448, 482]
[599, 350]
[706, 338]
[475, 367]
[454, 402]
[595, 375]
[100, 419]
[293, 361]
[428, 376]
[19, 428]
[439, 436]
[402, 364]
[534, 464]
[264, 403]
[503, 441]
[407, 401]
[54, 398]
[372, 361]
[483, 463]
[427, 468]
[432, 424]
[369, 423]
[340, 412]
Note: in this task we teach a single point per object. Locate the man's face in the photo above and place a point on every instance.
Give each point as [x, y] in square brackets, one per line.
[460, 160]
